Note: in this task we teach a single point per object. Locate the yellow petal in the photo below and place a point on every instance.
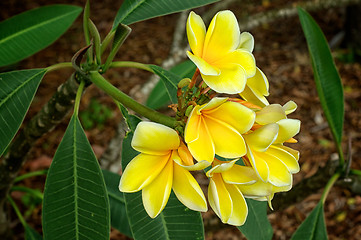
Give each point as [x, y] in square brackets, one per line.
[239, 208]
[190, 167]
[204, 67]
[219, 198]
[259, 83]
[141, 171]
[191, 131]
[185, 155]
[236, 115]
[154, 138]
[261, 189]
[212, 105]
[290, 107]
[155, 196]
[278, 172]
[295, 153]
[231, 80]
[263, 137]
[221, 167]
[246, 42]
[202, 148]
[196, 32]
[254, 97]
[228, 142]
[288, 129]
[258, 164]
[270, 114]
[240, 175]
[222, 37]
[284, 156]
[187, 190]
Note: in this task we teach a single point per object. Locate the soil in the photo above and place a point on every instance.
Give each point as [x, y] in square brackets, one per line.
[281, 53]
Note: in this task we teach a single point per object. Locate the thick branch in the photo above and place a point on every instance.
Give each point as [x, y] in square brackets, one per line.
[51, 115]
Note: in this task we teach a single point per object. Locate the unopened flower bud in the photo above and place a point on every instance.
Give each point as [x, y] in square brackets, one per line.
[184, 82]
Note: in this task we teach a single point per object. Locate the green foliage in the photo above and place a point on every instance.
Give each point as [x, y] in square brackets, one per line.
[257, 225]
[95, 115]
[159, 96]
[313, 228]
[75, 197]
[328, 82]
[118, 215]
[32, 31]
[31, 201]
[133, 11]
[17, 92]
[31, 234]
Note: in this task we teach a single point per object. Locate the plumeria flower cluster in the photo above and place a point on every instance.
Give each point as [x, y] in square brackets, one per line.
[240, 140]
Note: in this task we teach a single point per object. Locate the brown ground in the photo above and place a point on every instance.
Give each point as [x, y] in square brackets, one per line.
[281, 53]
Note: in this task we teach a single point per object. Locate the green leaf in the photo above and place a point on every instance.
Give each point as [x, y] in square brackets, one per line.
[257, 225]
[132, 11]
[32, 31]
[170, 81]
[328, 82]
[159, 97]
[175, 222]
[17, 90]
[118, 214]
[313, 228]
[31, 234]
[76, 204]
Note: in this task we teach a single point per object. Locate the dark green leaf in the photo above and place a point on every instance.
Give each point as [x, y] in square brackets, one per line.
[159, 97]
[133, 11]
[17, 90]
[76, 204]
[175, 222]
[313, 228]
[170, 81]
[31, 234]
[257, 225]
[118, 214]
[328, 82]
[132, 120]
[32, 31]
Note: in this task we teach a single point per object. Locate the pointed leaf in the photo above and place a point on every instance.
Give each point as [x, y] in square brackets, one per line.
[132, 11]
[175, 222]
[31, 234]
[328, 82]
[32, 31]
[257, 225]
[17, 90]
[76, 204]
[118, 214]
[314, 227]
[159, 97]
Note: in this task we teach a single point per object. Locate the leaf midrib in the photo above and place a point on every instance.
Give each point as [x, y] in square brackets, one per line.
[34, 26]
[75, 174]
[132, 10]
[19, 87]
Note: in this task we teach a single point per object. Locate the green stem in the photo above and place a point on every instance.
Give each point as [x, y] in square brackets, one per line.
[106, 41]
[128, 102]
[132, 65]
[31, 174]
[17, 211]
[355, 172]
[59, 66]
[329, 185]
[78, 97]
[340, 154]
[28, 190]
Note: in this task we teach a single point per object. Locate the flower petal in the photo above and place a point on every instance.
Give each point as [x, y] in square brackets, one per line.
[239, 206]
[263, 137]
[222, 37]
[141, 171]
[261, 189]
[155, 196]
[154, 138]
[270, 114]
[288, 129]
[290, 107]
[240, 175]
[185, 155]
[295, 153]
[236, 115]
[190, 167]
[204, 67]
[287, 158]
[258, 164]
[188, 190]
[259, 83]
[212, 105]
[228, 142]
[196, 32]
[221, 167]
[278, 172]
[254, 97]
[202, 148]
[246, 42]
[219, 198]
[191, 131]
[231, 80]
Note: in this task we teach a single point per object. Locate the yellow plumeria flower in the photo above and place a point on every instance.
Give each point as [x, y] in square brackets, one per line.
[156, 170]
[273, 162]
[217, 128]
[223, 66]
[257, 87]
